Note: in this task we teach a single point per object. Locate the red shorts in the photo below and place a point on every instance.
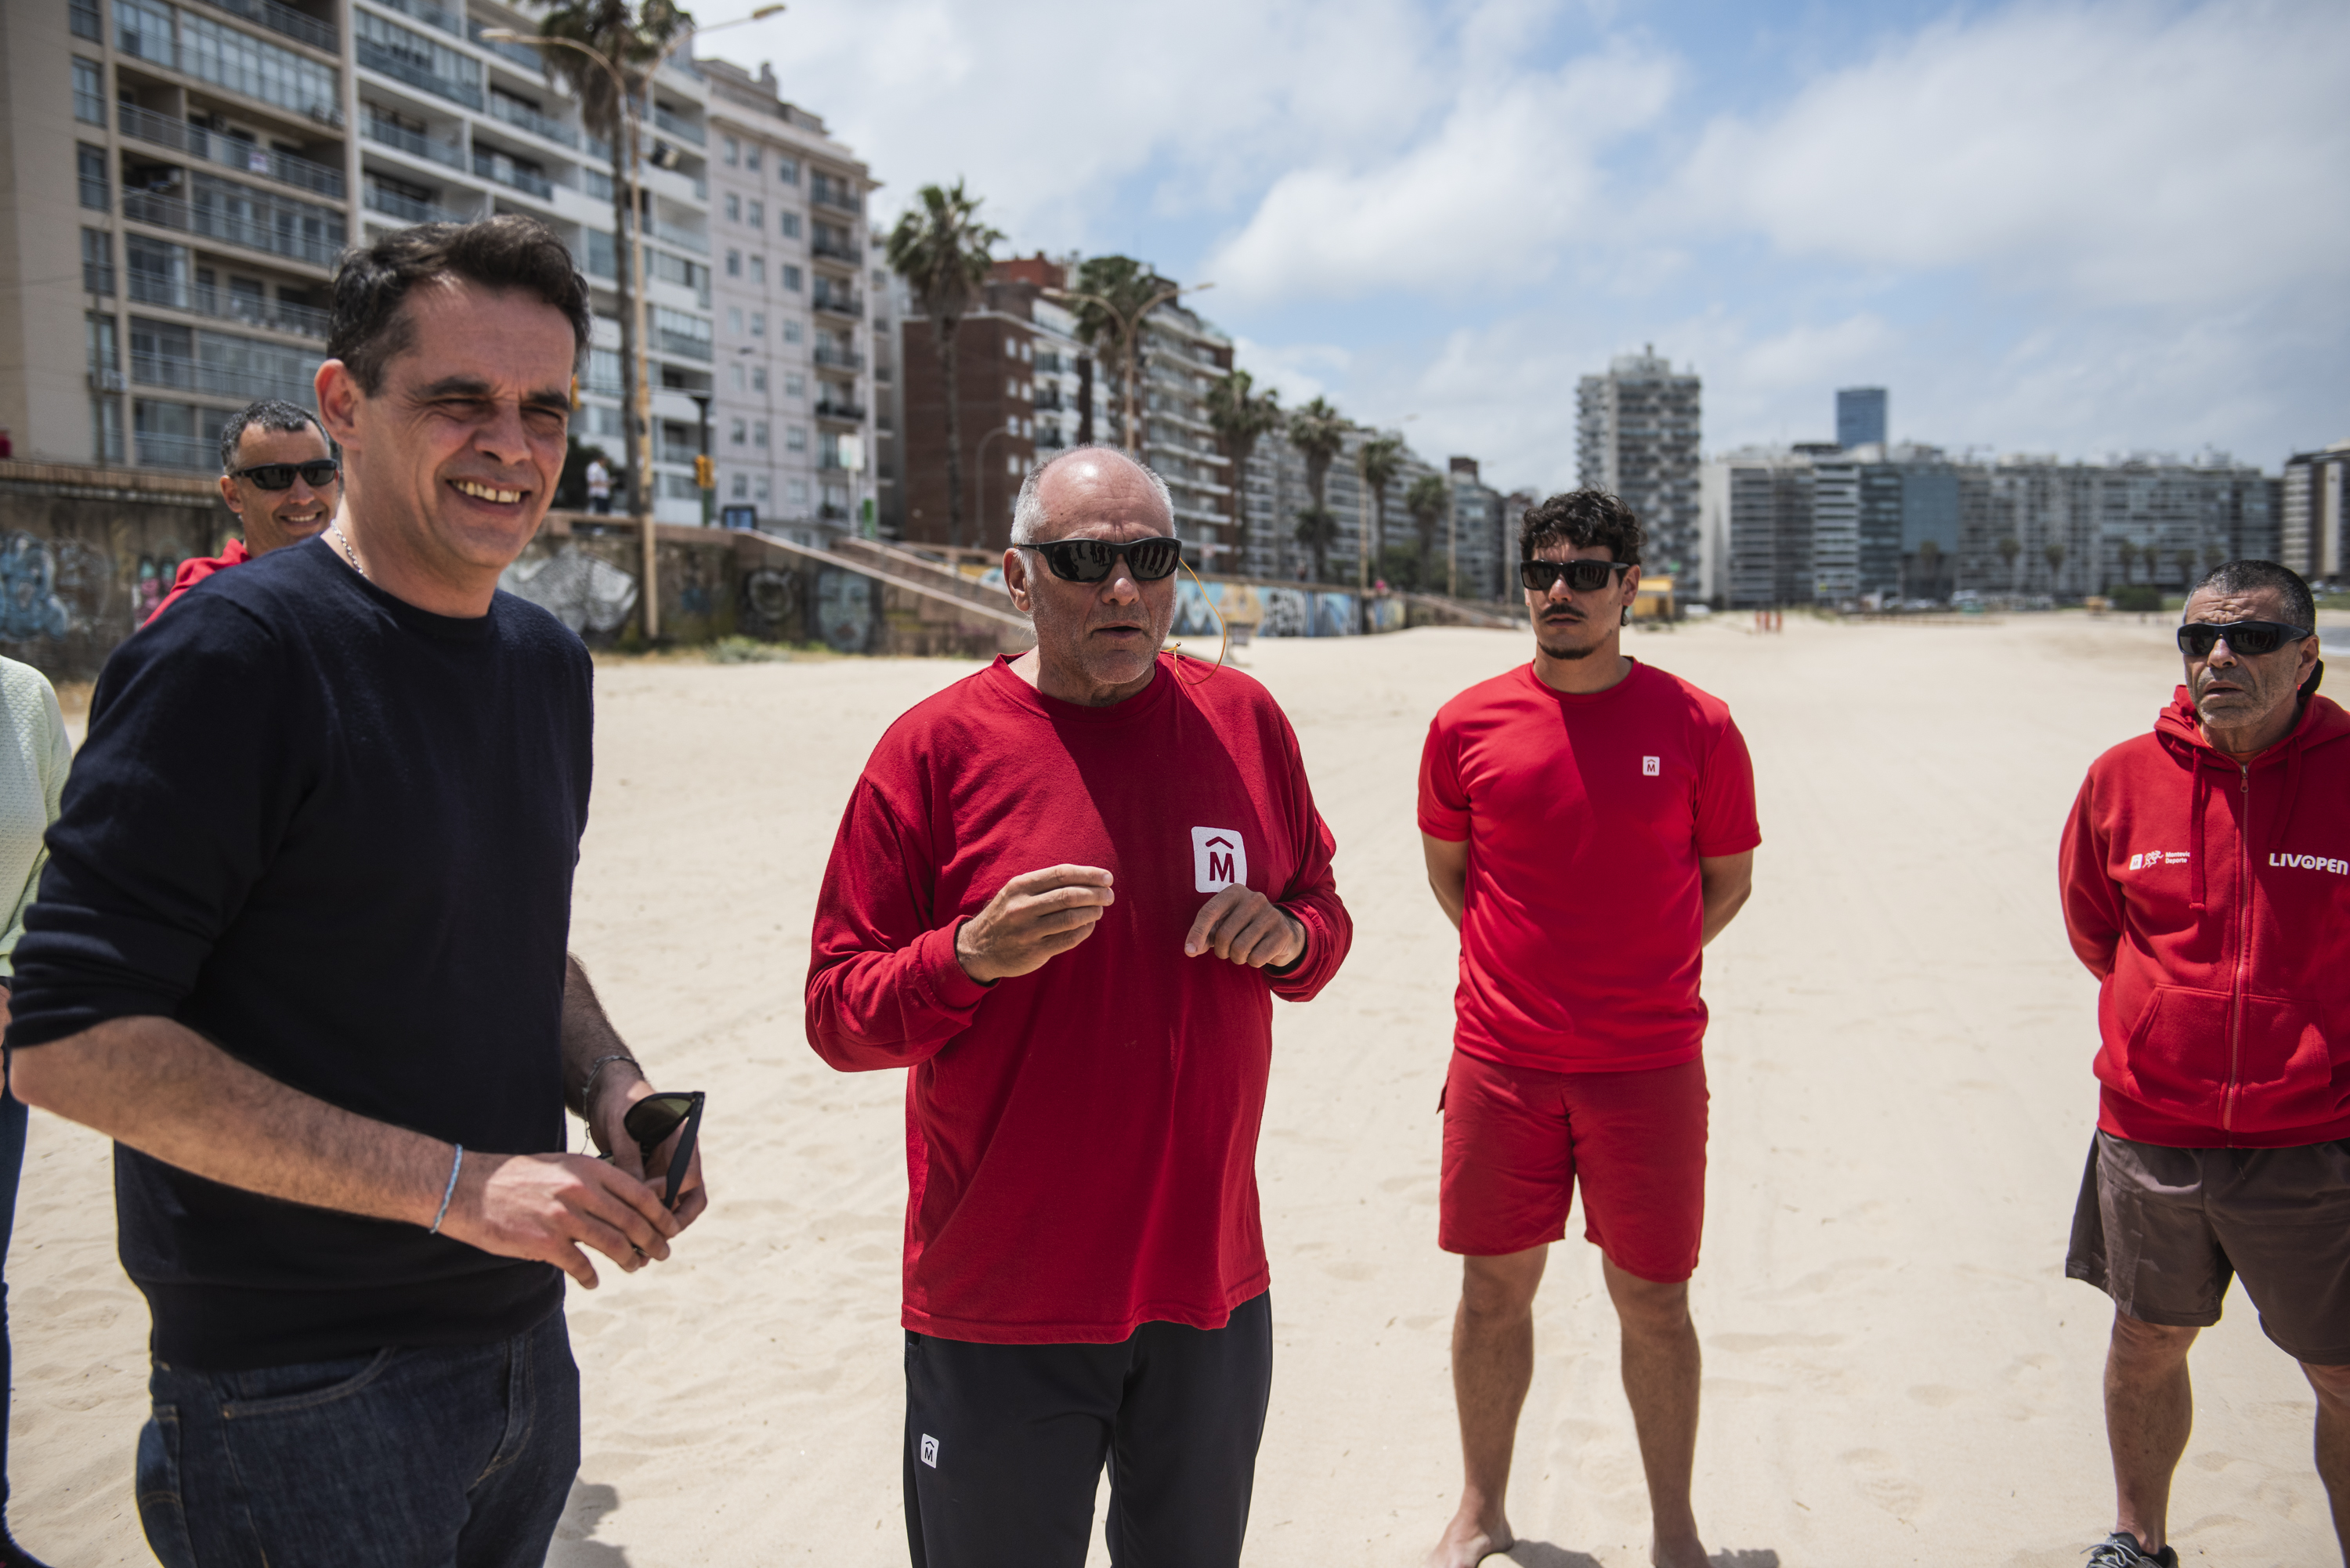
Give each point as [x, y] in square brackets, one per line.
[1516, 1142]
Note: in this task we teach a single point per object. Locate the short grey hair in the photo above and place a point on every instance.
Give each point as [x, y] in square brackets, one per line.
[1028, 512]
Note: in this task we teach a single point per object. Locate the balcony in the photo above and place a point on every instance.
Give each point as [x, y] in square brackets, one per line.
[157, 449]
[827, 249]
[522, 116]
[677, 126]
[681, 344]
[831, 409]
[836, 194]
[512, 175]
[833, 358]
[521, 54]
[1048, 400]
[84, 17]
[838, 303]
[683, 239]
[407, 209]
[283, 239]
[401, 139]
[432, 16]
[228, 152]
[182, 374]
[284, 20]
[376, 57]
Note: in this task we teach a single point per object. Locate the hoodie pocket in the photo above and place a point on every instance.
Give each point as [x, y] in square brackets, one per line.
[2175, 1056]
[2284, 1068]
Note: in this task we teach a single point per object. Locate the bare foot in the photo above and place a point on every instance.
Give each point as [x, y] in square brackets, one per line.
[1469, 1541]
[1686, 1551]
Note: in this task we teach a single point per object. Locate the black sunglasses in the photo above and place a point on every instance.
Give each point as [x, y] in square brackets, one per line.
[1089, 560]
[2244, 636]
[317, 474]
[650, 1121]
[1583, 576]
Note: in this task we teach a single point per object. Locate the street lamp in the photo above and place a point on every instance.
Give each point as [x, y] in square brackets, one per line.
[979, 461]
[641, 500]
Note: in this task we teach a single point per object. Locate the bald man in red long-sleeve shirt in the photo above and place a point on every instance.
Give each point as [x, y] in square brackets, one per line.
[1065, 893]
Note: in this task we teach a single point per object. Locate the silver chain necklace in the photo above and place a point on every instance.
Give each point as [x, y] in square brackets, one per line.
[349, 554]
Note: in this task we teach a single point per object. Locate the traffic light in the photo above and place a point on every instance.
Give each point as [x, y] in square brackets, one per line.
[705, 473]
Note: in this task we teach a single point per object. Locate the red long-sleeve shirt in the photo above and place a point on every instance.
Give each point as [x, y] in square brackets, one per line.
[1080, 1140]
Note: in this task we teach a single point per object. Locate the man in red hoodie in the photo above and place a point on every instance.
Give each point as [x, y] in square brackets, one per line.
[1065, 893]
[2205, 879]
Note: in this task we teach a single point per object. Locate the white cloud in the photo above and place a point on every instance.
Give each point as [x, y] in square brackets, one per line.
[2117, 152]
[1300, 372]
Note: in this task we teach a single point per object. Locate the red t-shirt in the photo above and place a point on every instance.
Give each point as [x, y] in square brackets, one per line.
[196, 568]
[1080, 1140]
[1585, 818]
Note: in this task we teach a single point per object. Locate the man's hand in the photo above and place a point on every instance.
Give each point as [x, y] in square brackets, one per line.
[608, 1123]
[1245, 926]
[1033, 917]
[546, 1206]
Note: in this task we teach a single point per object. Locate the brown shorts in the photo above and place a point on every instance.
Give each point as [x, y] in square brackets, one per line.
[2162, 1230]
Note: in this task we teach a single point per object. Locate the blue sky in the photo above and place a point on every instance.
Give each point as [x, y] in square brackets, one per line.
[2075, 228]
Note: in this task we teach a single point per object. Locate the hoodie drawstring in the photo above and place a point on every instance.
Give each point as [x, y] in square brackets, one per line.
[2202, 794]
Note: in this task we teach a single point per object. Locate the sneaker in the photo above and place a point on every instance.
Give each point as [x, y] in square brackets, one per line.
[2121, 1550]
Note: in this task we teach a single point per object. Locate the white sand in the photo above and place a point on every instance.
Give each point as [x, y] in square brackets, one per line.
[1897, 1370]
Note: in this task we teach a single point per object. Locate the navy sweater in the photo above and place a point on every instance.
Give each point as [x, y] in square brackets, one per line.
[335, 835]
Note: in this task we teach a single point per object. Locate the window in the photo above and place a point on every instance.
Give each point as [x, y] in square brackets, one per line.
[751, 157]
[733, 208]
[1011, 349]
[735, 434]
[97, 262]
[790, 277]
[758, 324]
[742, 486]
[1027, 354]
[159, 270]
[791, 327]
[91, 163]
[759, 270]
[758, 378]
[796, 437]
[757, 215]
[759, 489]
[737, 369]
[88, 92]
[759, 435]
[733, 264]
[734, 151]
[787, 171]
[735, 319]
[603, 372]
[789, 223]
[1010, 387]
[794, 387]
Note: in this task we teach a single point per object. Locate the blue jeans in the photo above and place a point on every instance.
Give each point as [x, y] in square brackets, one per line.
[12, 1165]
[402, 1459]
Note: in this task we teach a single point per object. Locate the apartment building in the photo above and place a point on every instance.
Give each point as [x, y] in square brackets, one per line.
[793, 423]
[1636, 437]
[2313, 511]
[1482, 544]
[1183, 355]
[1860, 417]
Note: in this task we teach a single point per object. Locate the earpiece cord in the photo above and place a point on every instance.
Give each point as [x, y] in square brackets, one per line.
[1223, 631]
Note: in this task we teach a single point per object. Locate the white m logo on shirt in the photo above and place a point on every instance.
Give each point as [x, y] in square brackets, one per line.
[1219, 858]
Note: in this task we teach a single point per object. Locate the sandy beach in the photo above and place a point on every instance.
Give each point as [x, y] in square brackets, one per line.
[1897, 1371]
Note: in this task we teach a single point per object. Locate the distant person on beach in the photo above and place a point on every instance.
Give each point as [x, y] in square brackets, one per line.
[599, 487]
[2206, 882]
[300, 953]
[279, 475]
[1065, 893]
[1588, 823]
[34, 756]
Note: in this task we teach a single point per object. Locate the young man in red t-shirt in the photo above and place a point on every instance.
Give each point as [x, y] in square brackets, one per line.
[1589, 826]
[1065, 893]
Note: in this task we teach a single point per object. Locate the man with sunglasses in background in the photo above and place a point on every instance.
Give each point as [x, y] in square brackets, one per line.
[2206, 882]
[1065, 893]
[1588, 824]
[301, 951]
[279, 475]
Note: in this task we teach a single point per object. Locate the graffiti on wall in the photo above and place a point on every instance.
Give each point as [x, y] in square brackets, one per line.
[152, 585]
[844, 609]
[52, 587]
[771, 596]
[584, 592]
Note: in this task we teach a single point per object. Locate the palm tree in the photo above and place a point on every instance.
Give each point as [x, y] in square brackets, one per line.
[2053, 552]
[635, 36]
[1130, 289]
[2010, 547]
[1318, 431]
[1429, 502]
[1379, 460]
[2185, 559]
[2126, 553]
[1930, 565]
[1242, 417]
[940, 248]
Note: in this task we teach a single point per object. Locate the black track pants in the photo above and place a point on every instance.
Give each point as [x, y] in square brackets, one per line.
[1004, 1444]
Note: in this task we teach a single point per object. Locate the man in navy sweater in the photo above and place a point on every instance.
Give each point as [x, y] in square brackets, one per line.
[300, 951]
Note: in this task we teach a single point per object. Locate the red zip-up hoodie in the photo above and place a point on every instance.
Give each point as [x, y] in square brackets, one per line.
[2212, 900]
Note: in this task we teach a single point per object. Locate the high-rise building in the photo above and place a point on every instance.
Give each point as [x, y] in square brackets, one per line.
[1484, 542]
[792, 425]
[2315, 506]
[1860, 417]
[1757, 511]
[1636, 438]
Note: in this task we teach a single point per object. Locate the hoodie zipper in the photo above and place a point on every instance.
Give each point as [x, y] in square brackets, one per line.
[2243, 946]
